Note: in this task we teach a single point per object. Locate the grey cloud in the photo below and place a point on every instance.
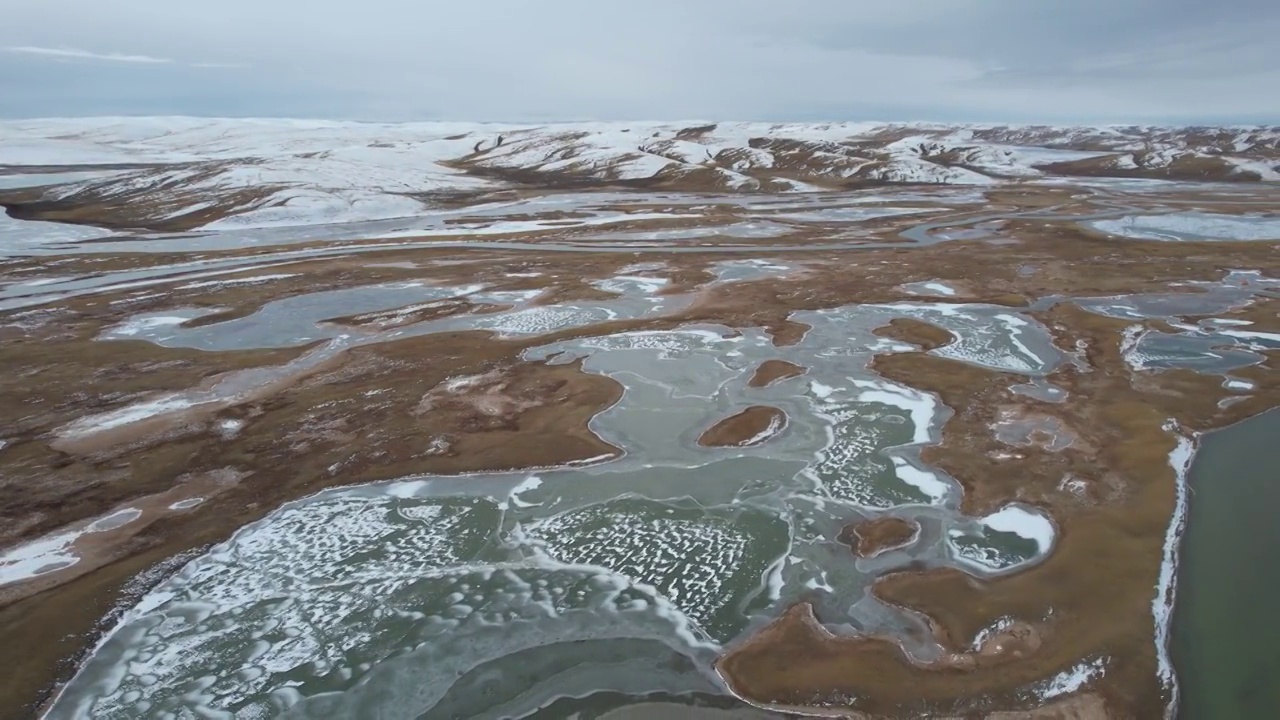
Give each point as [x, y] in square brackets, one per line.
[1086, 61]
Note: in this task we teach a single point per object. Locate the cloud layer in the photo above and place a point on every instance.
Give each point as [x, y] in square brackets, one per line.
[1085, 61]
[73, 53]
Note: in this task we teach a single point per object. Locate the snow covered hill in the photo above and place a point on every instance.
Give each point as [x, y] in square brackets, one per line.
[184, 173]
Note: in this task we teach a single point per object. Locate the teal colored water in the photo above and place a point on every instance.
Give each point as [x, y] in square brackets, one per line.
[1226, 640]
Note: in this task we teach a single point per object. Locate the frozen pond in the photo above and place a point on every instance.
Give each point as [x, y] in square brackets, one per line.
[410, 597]
[1193, 226]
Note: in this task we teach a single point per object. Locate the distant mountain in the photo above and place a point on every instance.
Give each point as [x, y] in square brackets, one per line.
[189, 173]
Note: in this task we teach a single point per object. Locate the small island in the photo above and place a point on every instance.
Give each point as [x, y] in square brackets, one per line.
[917, 332]
[870, 538]
[752, 426]
[772, 371]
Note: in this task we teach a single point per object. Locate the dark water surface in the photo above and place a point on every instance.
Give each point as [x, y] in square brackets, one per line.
[1226, 634]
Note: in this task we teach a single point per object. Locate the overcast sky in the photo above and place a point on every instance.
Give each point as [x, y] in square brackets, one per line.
[535, 60]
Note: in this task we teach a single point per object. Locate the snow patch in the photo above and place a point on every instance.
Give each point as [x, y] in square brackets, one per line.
[1023, 523]
[1070, 680]
[253, 280]
[1166, 587]
[923, 480]
[54, 552]
[125, 416]
[921, 406]
[776, 424]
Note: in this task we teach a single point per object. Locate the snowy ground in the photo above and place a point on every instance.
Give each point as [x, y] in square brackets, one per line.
[328, 172]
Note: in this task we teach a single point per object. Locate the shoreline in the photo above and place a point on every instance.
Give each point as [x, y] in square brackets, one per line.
[1180, 459]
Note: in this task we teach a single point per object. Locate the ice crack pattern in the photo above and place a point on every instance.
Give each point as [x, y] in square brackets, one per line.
[692, 557]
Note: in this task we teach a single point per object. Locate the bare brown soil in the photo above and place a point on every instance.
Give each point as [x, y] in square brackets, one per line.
[1082, 706]
[772, 371]
[42, 169]
[103, 547]
[872, 537]
[162, 206]
[748, 427]
[786, 332]
[1187, 168]
[917, 332]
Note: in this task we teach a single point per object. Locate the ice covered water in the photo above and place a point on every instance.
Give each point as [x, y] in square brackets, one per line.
[1001, 541]
[1204, 344]
[1193, 226]
[410, 597]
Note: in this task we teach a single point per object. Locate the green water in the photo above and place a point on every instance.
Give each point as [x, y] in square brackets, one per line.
[1226, 637]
